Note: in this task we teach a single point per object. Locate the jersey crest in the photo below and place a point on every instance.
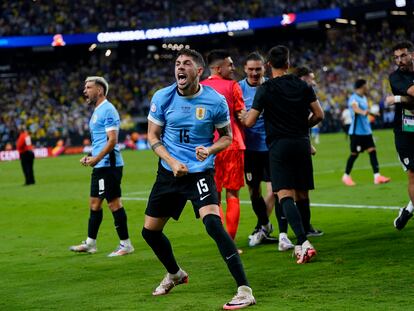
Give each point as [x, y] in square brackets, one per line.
[200, 113]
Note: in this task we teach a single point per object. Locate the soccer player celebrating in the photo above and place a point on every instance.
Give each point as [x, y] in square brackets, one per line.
[360, 134]
[181, 123]
[286, 101]
[107, 164]
[402, 86]
[256, 156]
[229, 163]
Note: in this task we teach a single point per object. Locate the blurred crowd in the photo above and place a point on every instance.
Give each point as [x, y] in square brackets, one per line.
[38, 17]
[49, 101]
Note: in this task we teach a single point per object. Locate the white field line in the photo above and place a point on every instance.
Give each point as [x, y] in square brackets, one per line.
[393, 164]
[312, 204]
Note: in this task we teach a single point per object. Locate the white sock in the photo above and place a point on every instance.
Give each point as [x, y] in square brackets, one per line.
[177, 275]
[90, 241]
[282, 235]
[346, 175]
[410, 207]
[126, 242]
[377, 175]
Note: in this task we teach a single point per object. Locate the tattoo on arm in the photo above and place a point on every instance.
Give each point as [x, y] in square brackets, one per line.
[156, 145]
[225, 131]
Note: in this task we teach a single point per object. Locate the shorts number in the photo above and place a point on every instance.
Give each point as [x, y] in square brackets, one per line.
[202, 186]
[184, 136]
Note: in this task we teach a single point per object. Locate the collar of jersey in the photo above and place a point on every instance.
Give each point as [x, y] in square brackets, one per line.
[101, 104]
[195, 94]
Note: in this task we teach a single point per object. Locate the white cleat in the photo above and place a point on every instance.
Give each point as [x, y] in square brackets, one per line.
[84, 248]
[284, 243]
[242, 299]
[169, 281]
[122, 250]
[304, 253]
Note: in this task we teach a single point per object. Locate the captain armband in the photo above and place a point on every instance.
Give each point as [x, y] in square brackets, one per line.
[156, 145]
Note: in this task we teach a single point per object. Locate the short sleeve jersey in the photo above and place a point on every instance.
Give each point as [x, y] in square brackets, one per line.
[188, 122]
[105, 118]
[360, 123]
[400, 82]
[254, 137]
[285, 102]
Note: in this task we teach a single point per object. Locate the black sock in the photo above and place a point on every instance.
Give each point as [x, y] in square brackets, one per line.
[350, 163]
[95, 219]
[226, 247]
[305, 214]
[120, 221]
[259, 208]
[281, 218]
[293, 217]
[162, 248]
[374, 161]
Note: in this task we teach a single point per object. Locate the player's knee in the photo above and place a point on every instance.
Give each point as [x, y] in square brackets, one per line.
[213, 224]
[150, 235]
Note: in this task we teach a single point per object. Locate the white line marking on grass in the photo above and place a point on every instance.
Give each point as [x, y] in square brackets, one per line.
[138, 192]
[312, 204]
[393, 164]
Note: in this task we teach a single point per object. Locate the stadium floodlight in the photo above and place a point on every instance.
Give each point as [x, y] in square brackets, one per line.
[400, 3]
[108, 52]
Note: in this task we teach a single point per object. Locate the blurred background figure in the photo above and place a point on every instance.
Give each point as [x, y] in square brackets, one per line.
[25, 149]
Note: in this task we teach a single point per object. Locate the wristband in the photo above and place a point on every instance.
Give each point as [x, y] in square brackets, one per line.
[397, 99]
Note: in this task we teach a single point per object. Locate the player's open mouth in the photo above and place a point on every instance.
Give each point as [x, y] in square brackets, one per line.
[182, 78]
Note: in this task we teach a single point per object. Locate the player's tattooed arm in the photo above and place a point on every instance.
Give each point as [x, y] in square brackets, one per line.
[154, 139]
[224, 141]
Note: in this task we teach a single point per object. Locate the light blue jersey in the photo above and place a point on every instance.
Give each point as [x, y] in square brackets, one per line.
[105, 118]
[188, 122]
[360, 124]
[255, 137]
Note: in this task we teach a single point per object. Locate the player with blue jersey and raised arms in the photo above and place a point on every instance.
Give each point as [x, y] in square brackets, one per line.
[107, 164]
[360, 134]
[181, 124]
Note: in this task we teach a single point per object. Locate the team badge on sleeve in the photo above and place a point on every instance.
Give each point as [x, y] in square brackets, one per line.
[153, 107]
[200, 113]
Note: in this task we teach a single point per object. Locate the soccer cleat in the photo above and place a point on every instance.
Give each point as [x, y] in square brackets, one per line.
[256, 237]
[84, 248]
[284, 243]
[262, 235]
[242, 299]
[402, 219]
[304, 253]
[168, 282]
[381, 180]
[122, 250]
[347, 180]
[314, 232]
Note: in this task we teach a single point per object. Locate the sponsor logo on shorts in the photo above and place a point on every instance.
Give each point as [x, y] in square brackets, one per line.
[205, 196]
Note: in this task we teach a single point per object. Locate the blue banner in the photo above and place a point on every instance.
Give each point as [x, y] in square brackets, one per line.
[169, 32]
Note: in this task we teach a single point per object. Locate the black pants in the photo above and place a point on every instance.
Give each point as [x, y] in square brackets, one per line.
[27, 159]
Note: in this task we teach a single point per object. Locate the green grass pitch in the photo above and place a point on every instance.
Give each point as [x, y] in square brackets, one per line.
[363, 263]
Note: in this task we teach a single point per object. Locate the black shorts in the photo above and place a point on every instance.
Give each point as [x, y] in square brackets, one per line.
[170, 194]
[106, 183]
[404, 143]
[360, 143]
[256, 167]
[291, 164]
